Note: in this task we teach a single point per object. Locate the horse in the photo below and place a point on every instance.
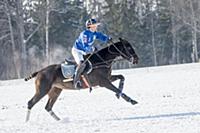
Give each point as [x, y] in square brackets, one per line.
[49, 80]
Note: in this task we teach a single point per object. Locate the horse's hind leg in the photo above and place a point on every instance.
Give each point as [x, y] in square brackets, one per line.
[53, 95]
[33, 101]
[41, 91]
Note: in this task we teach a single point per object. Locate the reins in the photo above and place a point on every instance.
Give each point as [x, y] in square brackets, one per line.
[105, 63]
[121, 53]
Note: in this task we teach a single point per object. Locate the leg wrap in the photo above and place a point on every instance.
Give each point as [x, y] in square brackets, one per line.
[28, 115]
[121, 84]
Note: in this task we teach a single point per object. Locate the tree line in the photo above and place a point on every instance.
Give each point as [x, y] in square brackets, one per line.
[37, 33]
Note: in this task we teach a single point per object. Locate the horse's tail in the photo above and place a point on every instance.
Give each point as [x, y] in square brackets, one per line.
[31, 76]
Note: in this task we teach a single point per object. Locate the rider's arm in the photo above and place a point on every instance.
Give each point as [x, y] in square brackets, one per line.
[102, 37]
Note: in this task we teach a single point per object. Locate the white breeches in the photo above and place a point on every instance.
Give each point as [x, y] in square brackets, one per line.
[78, 55]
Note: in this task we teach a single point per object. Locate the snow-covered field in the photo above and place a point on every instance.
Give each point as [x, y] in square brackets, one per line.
[168, 96]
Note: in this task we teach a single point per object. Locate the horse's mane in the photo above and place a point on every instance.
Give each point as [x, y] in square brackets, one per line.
[103, 54]
[110, 46]
[99, 55]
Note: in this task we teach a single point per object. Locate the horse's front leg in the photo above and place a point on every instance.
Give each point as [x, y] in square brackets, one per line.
[121, 82]
[107, 84]
[121, 87]
[118, 92]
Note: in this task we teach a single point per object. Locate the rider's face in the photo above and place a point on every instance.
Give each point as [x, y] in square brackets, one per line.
[93, 27]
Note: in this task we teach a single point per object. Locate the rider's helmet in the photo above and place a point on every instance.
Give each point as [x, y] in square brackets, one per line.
[90, 22]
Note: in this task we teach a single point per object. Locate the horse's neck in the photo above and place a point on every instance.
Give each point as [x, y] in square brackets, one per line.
[103, 57]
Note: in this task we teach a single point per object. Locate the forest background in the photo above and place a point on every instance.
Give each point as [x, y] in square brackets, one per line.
[37, 33]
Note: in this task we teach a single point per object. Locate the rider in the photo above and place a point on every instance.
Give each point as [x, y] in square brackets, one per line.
[84, 45]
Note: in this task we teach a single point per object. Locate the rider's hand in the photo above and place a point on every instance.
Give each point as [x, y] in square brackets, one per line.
[90, 50]
[110, 40]
[83, 52]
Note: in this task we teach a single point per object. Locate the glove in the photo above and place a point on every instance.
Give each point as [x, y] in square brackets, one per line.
[83, 53]
[90, 50]
[109, 40]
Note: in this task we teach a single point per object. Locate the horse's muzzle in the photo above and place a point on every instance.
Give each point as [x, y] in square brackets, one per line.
[134, 60]
[131, 59]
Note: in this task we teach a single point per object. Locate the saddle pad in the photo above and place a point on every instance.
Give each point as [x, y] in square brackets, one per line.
[67, 70]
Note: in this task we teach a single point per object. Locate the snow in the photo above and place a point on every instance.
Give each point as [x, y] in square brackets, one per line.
[168, 102]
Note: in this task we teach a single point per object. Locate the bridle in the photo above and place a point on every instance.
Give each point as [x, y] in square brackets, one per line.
[129, 57]
[106, 63]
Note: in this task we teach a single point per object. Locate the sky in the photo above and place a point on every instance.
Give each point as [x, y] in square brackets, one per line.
[168, 102]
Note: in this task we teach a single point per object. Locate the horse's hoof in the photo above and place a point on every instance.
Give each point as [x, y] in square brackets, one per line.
[90, 89]
[133, 102]
[118, 95]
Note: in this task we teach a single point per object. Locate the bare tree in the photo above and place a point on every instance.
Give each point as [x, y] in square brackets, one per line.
[153, 41]
[8, 37]
[173, 31]
[14, 13]
[20, 23]
[47, 30]
[194, 33]
[184, 10]
[14, 51]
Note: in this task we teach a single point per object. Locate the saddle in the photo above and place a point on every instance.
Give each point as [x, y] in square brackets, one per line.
[68, 69]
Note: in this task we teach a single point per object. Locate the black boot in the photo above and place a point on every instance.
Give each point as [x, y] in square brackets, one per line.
[79, 70]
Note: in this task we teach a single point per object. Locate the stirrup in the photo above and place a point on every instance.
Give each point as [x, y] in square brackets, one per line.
[77, 85]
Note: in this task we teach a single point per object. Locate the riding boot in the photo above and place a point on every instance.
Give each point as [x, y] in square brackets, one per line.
[79, 70]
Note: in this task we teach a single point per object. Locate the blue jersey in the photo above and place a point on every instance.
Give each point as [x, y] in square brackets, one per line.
[86, 39]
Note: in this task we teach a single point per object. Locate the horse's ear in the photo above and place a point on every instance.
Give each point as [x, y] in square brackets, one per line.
[120, 39]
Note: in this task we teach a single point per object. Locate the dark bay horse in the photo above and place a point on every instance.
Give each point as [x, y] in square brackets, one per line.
[49, 80]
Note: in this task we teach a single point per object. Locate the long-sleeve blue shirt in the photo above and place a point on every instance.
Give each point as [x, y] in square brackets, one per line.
[86, 39]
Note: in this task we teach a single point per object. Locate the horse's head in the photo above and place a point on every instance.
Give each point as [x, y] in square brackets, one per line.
[121, 48]
[127, 51]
